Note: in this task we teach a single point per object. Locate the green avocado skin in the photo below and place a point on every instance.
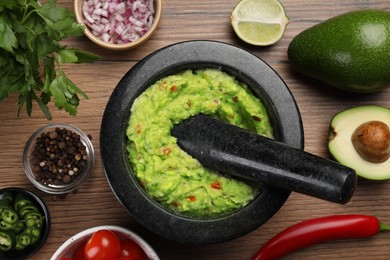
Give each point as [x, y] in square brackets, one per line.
[350, 51]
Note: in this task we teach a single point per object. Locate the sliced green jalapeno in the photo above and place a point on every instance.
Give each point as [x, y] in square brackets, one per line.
[18, 227]
[31, 222]
[23, 210]
[21, 201]
[7, 240]
[36, 216]
[4, 225]
[19, 246]
[10, 216]
[24, 239]
[34, 232]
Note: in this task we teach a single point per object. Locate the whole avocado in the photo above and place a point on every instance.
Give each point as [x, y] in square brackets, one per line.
[350, 51]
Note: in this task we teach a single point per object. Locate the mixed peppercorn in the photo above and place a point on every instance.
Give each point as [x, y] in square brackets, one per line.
[21, 221]
[58, 157]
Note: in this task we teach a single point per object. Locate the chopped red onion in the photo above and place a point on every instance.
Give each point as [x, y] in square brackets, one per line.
[119, 21]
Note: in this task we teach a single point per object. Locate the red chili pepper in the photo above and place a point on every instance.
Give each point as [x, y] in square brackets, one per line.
[313, 231]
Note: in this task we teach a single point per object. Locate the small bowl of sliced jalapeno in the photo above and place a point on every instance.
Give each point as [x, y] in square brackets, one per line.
[24, 223]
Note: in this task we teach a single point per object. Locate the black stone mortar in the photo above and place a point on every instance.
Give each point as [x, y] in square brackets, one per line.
[245, 67]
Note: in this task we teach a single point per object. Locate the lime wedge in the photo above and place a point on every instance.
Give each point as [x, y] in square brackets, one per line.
[259, 22]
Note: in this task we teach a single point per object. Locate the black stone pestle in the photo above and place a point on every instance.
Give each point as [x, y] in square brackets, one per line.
[229, 149]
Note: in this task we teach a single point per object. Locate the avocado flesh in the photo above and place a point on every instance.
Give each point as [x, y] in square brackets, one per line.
[340, 144]
[349, 51]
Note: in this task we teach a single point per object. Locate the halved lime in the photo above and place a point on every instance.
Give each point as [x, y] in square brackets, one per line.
[259, 22]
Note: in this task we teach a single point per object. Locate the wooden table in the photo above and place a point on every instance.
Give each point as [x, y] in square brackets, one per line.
[94, 203]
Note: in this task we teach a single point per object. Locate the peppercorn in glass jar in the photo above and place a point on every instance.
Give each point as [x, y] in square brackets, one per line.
[58, 157]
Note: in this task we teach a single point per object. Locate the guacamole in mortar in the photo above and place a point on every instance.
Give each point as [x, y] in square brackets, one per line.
[167, 173]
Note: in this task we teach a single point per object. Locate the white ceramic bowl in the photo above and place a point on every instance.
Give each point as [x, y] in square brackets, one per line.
[70, 245]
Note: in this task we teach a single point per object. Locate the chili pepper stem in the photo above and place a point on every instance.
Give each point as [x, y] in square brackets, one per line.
[383, 226]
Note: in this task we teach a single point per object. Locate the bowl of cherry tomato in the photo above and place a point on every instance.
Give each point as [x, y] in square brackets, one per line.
[108, 242]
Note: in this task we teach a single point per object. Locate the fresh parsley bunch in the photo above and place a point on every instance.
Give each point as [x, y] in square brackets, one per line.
[31, 55]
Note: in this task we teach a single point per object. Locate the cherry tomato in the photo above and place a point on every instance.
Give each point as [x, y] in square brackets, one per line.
[131, 250]
[103, 245]
[79, 253]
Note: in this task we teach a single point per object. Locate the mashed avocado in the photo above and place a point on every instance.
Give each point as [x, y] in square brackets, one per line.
[167, 173]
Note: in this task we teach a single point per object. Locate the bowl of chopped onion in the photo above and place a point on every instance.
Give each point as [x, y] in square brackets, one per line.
[118, 24]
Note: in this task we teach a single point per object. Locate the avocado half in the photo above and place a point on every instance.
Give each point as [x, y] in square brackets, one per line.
[341, 147]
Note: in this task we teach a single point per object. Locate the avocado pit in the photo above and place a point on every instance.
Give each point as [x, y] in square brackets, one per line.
[372, 141]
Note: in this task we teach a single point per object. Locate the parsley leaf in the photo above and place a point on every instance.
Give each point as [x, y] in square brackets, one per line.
[32, 55]
[7, 37]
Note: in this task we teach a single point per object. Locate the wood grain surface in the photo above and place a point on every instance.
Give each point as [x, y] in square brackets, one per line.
[182, 20]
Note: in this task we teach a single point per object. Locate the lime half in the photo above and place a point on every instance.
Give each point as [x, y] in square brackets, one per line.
[259, 22]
